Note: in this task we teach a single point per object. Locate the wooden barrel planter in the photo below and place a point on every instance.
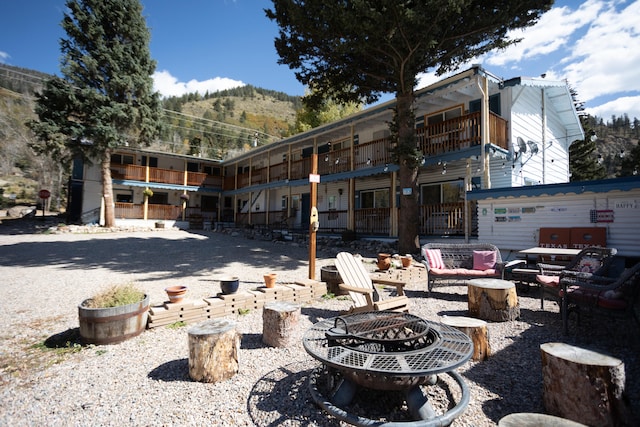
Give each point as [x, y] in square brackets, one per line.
[114, 324]
[329, 274]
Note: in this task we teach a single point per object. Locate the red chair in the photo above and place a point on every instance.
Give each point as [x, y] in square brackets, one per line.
[589, 261]
[594, 294]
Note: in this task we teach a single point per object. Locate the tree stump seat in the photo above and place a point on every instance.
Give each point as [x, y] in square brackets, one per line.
[214, 347]
[584, 386]
[475, 329]
[493, 299]
[280, 323]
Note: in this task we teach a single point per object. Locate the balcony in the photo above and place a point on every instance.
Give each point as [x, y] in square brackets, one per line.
[433, 140]
[136, 211]
[162, 176]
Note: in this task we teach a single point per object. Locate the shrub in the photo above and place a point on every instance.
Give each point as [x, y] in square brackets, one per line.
[116, 296]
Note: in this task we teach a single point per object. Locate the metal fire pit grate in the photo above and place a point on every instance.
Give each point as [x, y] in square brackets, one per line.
[387, 343]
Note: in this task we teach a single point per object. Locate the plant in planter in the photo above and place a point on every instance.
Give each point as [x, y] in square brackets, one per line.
[114, 315]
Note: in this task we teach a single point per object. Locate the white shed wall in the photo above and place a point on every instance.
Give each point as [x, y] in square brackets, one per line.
[513, 223]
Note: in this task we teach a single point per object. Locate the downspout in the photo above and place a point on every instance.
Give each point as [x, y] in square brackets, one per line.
[544, 136]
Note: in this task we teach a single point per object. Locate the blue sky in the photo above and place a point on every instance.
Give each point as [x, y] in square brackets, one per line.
[202, 45]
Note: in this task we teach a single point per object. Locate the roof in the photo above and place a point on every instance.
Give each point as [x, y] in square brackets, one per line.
[559, 95]
[577, 187]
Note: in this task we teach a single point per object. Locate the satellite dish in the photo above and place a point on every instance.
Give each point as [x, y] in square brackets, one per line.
[521, 147]
[533, 147]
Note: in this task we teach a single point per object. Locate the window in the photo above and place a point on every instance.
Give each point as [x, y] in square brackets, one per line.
[441, 116]
[374, 199]
[494, 104]
[122, 159]
[153, 161]
[193, 167]
[332, 202]
[124, 198]
[211, 170]
[446, 192]
[159, 198]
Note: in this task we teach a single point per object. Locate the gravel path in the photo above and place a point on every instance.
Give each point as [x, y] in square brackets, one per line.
[144, 381]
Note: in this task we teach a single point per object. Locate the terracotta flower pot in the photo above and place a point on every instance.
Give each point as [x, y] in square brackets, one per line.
[406, 261]
[384, 261]
[270, 280]
[176, 293]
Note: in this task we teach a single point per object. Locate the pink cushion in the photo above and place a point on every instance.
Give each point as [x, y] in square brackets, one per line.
[434, 257]
[462, 272]
[553, 281]
[484, 260]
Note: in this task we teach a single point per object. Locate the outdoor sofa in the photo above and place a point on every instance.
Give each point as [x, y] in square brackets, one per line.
[458, 262]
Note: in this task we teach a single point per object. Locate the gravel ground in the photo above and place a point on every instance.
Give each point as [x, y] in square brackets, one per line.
[144, 381]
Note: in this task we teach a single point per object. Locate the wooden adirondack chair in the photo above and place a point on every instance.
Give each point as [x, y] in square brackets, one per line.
[358, 282]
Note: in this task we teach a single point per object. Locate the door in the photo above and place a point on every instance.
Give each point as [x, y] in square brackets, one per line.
[305, 210]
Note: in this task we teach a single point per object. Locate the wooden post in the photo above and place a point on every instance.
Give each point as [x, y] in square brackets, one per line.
[313, 195]
[279, 323]
[214, 347]
[584, 386]
[475, 329]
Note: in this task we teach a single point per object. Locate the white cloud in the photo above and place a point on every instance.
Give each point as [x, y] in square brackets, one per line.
[168, 85]
[552, 32]
[629, 105]
[606, 59]
[4, 56]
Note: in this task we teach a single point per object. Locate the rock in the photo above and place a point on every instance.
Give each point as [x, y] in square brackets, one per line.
[21, 211]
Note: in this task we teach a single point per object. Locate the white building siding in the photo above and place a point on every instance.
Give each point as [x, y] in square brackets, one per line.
[514, 223]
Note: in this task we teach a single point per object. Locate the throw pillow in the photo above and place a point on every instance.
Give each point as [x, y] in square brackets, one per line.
[434, 257]
[589, 265]
[484, 260]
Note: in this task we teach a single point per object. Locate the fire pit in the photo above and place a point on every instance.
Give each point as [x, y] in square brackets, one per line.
[385, 350]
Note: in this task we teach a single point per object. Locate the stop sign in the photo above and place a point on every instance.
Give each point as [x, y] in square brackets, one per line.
[44, 194]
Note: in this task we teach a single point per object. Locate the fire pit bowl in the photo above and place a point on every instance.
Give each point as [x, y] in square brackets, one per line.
[384, 350]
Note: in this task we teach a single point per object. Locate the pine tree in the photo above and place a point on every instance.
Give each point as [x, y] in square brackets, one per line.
[106, 97]
[353, 51]
[583, 164]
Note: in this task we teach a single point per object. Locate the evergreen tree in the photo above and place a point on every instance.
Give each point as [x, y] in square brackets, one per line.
[631, 163]
[353, 51]
[106, 97]
[583, 164]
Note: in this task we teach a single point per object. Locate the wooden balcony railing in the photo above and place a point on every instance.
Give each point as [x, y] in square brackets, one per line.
[300, 168]
[446, 219]
[333, 220]
[460, 132]
[372, 153]
[334, 161]
[373, 221]
[166, 176]
[133, 211]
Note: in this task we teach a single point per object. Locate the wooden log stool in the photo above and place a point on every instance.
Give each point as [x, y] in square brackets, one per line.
[493, 299]
[475, 329]
[531, 419]
[280, 323]
[214, 347]
[584, 386]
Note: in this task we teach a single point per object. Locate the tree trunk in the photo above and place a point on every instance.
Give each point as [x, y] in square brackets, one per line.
[107, 191]
[408, 226]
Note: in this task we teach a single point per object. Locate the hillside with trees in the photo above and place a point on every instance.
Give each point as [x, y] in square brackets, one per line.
[231, 117]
